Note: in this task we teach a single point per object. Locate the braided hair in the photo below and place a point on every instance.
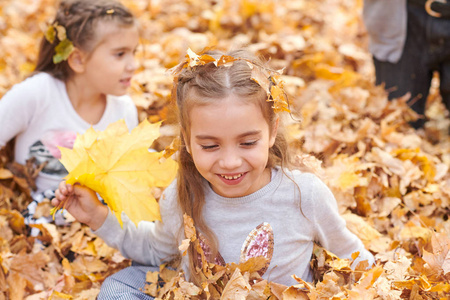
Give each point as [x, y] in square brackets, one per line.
[80, 19]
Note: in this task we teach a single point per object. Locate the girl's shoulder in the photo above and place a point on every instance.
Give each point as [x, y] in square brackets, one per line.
[311, 186]
[39, 79]
[303, 178]
[37, 83]
[38, 88]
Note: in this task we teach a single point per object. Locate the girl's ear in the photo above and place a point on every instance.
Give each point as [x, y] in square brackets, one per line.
[76, 60]
[273, 134]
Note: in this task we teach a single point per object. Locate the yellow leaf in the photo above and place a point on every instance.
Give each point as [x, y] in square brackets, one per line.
[50, 34]
[117, 165]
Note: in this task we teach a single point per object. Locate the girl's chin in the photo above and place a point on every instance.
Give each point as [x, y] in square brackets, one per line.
[231, 192]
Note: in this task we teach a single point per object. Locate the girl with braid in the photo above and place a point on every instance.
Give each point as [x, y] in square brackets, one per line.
[68, 94]
[235, 180]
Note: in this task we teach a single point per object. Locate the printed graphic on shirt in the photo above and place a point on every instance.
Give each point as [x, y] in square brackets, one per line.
[259, 242]
[46, 150]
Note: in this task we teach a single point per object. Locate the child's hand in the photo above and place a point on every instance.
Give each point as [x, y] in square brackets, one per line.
[82, 203]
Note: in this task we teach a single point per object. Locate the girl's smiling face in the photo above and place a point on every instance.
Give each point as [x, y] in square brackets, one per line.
[229, 143]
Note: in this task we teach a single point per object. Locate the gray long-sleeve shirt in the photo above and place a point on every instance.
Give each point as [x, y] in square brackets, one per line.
[386, 24]
[232, 219]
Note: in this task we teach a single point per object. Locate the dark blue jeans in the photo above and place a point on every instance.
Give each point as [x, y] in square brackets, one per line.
[427, 49]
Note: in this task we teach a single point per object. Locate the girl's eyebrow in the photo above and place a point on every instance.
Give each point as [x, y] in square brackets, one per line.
[242, 135]
[120, 48]
[124, 47]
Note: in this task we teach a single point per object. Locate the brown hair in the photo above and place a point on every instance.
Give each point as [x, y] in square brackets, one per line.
[80, 19]
[206, 84]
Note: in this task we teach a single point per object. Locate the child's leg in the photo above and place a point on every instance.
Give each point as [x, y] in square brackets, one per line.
[126, 284]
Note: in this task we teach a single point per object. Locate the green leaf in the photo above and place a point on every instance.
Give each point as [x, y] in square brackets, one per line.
[63, 50]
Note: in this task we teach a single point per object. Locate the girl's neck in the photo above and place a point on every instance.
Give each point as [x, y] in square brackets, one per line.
[89, 105]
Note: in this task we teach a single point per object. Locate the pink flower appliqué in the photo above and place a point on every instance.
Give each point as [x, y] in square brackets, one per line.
[259, 242]
[53, 139]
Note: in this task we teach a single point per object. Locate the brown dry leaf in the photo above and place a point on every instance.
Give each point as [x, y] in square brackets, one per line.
[364, 288]
[5, 174]
[17, 285]
[372, 239]
[438, 261]
[293, 293]
[236, 288]
[30, 267]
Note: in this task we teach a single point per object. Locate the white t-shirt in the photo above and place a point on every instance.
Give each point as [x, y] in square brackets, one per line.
[39, 114]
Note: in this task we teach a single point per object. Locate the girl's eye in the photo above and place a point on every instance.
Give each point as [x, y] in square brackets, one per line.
[249, 144]
[208, 147]
[120, 54]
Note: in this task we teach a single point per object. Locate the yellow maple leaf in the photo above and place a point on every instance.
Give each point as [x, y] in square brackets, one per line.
[120, 168]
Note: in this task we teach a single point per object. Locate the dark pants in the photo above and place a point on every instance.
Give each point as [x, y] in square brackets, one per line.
[427, 49]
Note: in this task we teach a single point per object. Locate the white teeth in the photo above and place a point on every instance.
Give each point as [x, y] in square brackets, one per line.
[231, 177]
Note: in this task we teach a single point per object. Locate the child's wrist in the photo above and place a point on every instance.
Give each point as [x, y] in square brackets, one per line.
[99, 217]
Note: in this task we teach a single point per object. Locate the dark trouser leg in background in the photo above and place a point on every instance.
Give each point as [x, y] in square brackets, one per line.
[427, 49]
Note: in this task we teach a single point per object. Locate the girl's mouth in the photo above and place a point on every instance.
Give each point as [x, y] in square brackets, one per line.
[232, 179]
[126, 81]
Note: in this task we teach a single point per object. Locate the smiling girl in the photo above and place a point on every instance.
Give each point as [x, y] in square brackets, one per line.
[234, 180]
[64, 98]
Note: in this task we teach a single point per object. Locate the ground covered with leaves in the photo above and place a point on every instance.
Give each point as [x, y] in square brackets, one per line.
[391, 182]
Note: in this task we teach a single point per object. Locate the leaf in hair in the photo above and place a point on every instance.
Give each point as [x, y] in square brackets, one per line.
[50, 34]
[61, 31]
[195, 60]
[268, 79]
[225, 60]
[54, 30]
[279, 98]
[62, 51]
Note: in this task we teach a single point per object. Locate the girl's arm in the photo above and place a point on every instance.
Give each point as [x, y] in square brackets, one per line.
[149, 243]
[330, 228]
[16, 110]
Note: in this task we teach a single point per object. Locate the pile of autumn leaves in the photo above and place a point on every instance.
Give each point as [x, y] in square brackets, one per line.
[392, 183]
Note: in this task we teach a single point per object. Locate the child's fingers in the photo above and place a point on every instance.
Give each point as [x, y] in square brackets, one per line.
[69, 188]
[65, 188]
[55, 202]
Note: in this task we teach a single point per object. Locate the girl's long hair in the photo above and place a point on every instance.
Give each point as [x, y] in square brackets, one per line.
[80, 19]
[203, 85]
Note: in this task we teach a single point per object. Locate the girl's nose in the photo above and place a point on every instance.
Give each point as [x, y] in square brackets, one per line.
[230, 160]
[132, 65]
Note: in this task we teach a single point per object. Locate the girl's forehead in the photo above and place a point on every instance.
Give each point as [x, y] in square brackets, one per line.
[226, 116]
[110, 29]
